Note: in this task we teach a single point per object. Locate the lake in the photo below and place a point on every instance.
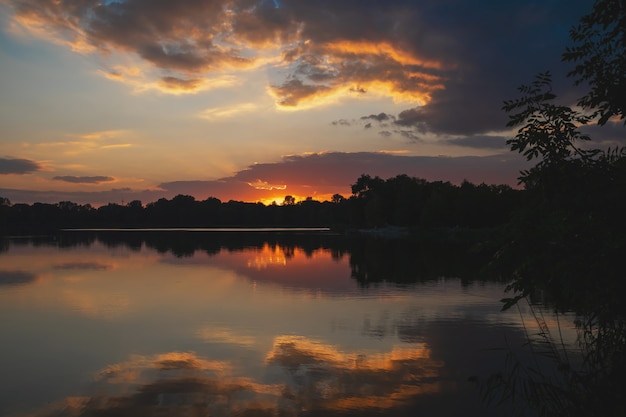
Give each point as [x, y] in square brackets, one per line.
[222, 323]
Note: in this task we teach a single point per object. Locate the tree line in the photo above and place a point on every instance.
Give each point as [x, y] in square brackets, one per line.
[403, 201]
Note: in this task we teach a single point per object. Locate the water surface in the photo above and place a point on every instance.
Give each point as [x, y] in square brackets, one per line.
[284, 325]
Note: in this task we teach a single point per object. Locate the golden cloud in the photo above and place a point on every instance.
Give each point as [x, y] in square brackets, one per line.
[218, 113]
[184, 47]
[264, 185]
[377, 49]
[324, 73]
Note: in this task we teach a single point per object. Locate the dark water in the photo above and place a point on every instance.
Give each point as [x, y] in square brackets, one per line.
[228, 324]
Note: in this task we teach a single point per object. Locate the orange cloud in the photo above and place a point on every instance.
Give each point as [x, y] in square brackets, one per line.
[383, 49]
[387, 379]
[180, 44]
[175, 83]
[309, 351]
[328, 379]
[325, 72]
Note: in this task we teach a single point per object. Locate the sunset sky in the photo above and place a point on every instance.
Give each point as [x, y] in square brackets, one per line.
[117, 100]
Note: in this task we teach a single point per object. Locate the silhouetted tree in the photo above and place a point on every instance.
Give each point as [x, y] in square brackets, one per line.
[568, 238]
[337, 198]
[599, 51]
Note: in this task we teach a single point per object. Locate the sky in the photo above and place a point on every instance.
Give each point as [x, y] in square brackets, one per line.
[109, 101]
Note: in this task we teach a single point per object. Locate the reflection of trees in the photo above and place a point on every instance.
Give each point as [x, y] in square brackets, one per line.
[183, 243]
[372, 260]
[401, 261]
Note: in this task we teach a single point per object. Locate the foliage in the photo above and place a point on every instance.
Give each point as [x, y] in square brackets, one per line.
[552, 379]
[567, 240]
[417, 203]
[599, 53]
[549, 132]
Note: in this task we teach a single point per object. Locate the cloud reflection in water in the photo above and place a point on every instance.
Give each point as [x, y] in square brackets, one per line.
[308, 377]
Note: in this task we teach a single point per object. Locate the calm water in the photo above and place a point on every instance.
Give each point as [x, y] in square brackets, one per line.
[235, 324]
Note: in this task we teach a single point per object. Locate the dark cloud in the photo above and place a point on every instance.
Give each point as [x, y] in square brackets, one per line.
[84, 180]
[380, 117]
[334, 172]
[409, 135]
[18, 166]
[341, 122]
[291, 93]
[480, 142]
[496, 46]
[611, 134]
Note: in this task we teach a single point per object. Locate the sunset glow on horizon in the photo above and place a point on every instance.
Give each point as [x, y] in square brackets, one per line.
[252, 101]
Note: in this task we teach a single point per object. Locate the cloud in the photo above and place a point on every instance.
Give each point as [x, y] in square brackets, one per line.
[98, 179]
[322, 70]
[612, 134]
[480, 142]
[341, 122]
[409, 135]
[18, 166]
[174, 83]
[294, 92]
[264, 185]
[184, 37]
[452, 62]
[327, 50]
[380, 117]
[219, 113]
[102, 135]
